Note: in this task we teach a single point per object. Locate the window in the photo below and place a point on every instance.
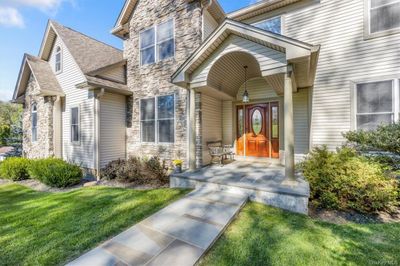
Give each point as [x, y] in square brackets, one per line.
[157, 119]
[275, 121]
[75, 125]
[383, 17]
[157, 43]
[147, 47]
[34, 122]
[165, 118]
[273, 25]
[58, 59]
[376, 104]
[148, 118]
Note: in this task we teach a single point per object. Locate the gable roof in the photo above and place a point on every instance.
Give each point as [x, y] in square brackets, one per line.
[43, 74]
[121, 28]
[89, 54]
[291, 47]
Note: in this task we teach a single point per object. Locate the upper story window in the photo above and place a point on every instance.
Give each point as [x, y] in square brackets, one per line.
[75, 125]
[376, 103]
[382, 17]
[272, 24]
[58, 60]
[157, 43]
[157, 119]
[34, 122]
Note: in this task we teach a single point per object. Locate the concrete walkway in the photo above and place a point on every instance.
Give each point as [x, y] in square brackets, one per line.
[177, 235]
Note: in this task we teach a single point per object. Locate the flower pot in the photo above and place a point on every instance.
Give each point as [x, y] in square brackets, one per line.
[178, 168]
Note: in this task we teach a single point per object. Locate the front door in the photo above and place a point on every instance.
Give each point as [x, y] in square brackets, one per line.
[257, 130]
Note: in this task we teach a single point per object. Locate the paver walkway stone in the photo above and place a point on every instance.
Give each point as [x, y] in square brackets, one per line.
[177, 235]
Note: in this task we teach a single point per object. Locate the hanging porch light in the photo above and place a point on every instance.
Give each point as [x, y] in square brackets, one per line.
[246, 98]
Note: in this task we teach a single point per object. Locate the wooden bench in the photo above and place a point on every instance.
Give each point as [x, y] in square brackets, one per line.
[219, 152]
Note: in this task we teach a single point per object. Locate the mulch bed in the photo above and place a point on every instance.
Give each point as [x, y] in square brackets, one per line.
[343, 217]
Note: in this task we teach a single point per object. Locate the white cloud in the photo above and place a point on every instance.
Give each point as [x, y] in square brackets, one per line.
[43, 5]
[11, 17]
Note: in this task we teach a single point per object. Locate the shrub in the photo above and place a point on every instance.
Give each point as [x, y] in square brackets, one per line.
[55, 172]
[347, 181]
[137, 171]
[155, 169]
[15, 168]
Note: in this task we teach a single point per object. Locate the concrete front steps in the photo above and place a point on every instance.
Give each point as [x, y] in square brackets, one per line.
[180, 234]
[267, 186]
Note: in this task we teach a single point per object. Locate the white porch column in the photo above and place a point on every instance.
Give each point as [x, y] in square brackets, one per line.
[192, 130]
[289, 128]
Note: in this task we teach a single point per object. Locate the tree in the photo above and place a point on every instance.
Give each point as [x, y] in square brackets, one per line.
[10, 124]
[5, 133]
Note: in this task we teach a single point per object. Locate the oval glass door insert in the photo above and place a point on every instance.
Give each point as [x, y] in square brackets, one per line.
[256, 122]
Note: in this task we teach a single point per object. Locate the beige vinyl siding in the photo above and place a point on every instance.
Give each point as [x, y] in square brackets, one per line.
[82, 153]
[301, 122]
[345, 57]
[112, 128]
[209, 24]
[266, 57]
[227, 123]
[211, 110]
[258, 88]
[115, 74]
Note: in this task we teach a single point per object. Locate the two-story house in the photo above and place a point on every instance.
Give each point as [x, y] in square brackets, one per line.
[273, 79]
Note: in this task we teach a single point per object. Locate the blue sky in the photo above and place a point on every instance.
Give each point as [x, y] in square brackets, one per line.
[23, 22]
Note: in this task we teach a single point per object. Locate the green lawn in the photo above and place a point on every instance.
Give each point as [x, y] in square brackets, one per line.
[50, 229]
[264, 235]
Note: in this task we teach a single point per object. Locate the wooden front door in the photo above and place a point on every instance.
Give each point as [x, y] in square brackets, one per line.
[257, 130]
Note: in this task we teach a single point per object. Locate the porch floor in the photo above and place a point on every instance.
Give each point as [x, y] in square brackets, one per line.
[253, 174]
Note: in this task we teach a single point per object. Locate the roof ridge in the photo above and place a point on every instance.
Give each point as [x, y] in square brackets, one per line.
[83, 34]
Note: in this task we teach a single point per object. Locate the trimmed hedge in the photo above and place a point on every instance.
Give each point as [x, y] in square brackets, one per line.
[344, 180]
[55, 172]
[15, 168]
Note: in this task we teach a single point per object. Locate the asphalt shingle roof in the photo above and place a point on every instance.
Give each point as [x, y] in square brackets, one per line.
[89, 54]
[43, 74]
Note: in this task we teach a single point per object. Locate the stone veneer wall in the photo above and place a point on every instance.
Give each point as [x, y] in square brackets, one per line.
[43, 147]
[153, 80]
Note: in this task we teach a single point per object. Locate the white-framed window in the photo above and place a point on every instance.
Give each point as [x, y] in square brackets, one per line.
[58, 60]
[75, 125]
[376, 103]
[271, 24]
[34, 116]
[157, 43]
[157, 119]
[382, 17]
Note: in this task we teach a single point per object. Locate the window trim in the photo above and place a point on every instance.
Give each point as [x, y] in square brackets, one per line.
[156, 119]
[79, 125]
[61, 60]
[395, 98]
[156, 56]
[34, 106]
[271, 18]
[367, 24]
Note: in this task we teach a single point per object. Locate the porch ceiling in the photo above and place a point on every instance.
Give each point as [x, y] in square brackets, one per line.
[227, 74]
